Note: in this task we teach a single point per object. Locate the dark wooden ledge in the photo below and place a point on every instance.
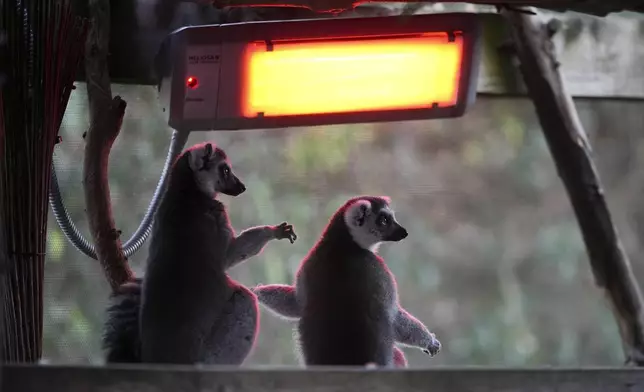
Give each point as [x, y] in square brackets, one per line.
[33, 378]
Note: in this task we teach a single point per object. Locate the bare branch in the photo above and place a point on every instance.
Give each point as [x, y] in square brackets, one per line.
[571, 152]
[106, 117]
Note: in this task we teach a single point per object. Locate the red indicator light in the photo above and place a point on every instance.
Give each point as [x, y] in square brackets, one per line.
[192, 82]
[300, 78]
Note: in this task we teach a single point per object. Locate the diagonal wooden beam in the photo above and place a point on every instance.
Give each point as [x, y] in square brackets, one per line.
[571, 152]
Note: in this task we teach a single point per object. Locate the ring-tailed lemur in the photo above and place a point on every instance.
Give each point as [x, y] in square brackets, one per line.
[186, 309]
[345, 298]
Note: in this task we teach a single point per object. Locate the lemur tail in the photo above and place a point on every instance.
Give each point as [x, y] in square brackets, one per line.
[121, 333]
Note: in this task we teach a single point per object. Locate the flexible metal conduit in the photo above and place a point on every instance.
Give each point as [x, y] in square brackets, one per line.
[69, 229]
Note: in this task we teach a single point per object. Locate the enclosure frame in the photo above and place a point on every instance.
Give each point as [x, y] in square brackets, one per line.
[538, 63]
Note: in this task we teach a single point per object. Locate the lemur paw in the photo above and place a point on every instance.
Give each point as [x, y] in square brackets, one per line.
[434, 347]
[284, 230]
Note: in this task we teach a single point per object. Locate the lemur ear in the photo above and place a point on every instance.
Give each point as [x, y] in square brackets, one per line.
[362, 214]
[198, 156]
[357, 213]
[193, 160]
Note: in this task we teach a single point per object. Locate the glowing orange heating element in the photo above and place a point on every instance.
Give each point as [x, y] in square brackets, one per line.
[351, 76]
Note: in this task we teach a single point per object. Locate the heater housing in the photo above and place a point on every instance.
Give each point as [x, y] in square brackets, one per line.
[294, 73]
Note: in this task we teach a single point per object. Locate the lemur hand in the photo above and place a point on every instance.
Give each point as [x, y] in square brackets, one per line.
[284, 230]
[434, 347]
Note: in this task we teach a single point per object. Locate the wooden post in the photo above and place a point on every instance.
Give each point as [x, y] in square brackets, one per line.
[106, 117]
[571, 152]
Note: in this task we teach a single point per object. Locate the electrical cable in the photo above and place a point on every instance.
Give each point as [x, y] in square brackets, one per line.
[71, 232]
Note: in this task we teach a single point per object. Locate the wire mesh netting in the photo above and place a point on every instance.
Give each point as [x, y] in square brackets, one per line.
[494, 263]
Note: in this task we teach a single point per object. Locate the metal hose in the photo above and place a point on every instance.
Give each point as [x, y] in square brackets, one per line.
[67, 226]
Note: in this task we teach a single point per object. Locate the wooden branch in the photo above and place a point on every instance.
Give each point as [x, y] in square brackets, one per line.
[106, 118]
[571, 152]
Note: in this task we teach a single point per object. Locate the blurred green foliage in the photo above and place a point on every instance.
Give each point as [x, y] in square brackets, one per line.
[494, 263]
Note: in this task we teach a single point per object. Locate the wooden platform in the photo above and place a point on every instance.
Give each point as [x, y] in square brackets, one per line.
[25, 378]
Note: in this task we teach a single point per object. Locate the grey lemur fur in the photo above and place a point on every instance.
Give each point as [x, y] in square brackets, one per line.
[345, 298]
[121, 331]
[186, 309]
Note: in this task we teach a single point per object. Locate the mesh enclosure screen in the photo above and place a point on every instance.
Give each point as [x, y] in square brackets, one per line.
[494, 263]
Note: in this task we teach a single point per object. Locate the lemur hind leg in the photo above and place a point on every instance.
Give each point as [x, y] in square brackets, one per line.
[400, 361]
[234, 335]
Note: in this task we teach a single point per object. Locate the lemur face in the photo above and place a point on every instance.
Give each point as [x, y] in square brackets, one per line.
[213, 172]
[371, 221]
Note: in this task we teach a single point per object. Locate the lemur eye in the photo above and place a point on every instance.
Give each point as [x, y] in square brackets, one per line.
[226, 171]
[383, 220]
